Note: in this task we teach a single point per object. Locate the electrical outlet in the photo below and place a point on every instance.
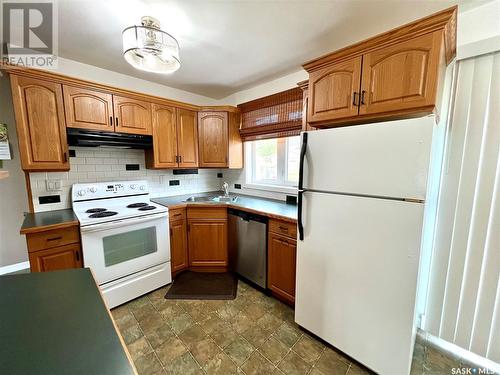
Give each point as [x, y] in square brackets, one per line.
[53, 185]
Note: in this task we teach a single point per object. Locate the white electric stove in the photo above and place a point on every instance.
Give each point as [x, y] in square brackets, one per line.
[125, 238]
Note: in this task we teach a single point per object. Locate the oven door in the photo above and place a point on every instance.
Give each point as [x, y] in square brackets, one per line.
[120, 248]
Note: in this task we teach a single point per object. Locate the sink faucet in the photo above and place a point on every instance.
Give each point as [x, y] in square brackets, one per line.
[225, 188]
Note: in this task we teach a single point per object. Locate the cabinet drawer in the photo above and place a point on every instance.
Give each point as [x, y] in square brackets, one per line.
[177, 214]
[284, 228]
[207, 213]
[52, 238]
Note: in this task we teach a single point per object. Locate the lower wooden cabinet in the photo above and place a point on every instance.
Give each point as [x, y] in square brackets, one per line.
[281, 263]
[207, 237]
[178, 240]
[57, 258]
[55, 249]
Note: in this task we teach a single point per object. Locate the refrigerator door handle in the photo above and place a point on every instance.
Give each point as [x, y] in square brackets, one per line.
[303, 150]
[299, 215]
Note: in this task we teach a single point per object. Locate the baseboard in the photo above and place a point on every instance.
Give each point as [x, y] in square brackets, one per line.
[14, 267]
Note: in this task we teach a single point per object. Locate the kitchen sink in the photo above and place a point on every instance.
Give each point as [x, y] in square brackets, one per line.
[199, 199]
[225, 198]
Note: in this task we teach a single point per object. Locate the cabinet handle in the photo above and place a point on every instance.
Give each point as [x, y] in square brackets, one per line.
[354, 99]
[363, 97]
[116, 121]
[65, 156]
[284, 229]
[177, 215]
[170, 232]
[110, 120]
[78, 256]
[180, 158]
[54, 238]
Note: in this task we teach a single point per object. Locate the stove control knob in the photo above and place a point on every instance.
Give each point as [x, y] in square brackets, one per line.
[143, 187]
[93, 189]
[133, 187]
[81, 193]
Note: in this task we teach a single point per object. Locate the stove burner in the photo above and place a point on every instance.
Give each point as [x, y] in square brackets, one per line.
[103, 214]
[147, 208]
[95, 210]
[137, 205]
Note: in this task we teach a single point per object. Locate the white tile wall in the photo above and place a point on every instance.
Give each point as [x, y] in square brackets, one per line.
[100, 165]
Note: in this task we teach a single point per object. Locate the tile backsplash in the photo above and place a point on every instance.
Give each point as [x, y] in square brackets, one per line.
[106, 164]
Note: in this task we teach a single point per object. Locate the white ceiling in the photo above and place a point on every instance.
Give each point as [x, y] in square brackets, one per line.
[227, 46]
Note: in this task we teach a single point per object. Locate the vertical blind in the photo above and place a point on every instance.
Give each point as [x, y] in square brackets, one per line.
[273, 116]
[463, 305]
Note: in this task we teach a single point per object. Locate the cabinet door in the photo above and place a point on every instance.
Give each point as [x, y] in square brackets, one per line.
[164, 137]
[88, 109]
[41, 131]
[331, 91]
[187, 138]
[178, 245]
[131, 115]
[207, 242]
[57, 258]
[213, 139]
[401, 76]
[281, 254]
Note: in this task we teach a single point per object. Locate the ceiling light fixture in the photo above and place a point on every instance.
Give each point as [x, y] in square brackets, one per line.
[149, 48]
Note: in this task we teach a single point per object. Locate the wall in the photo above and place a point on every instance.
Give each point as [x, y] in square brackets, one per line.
[13, 198]
[105, 164]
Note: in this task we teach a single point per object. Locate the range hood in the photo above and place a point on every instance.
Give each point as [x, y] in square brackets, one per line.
[95, 138]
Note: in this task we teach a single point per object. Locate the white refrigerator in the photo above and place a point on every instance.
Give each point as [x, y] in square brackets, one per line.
[361, 205]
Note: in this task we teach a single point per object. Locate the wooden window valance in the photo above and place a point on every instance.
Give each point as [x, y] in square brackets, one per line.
[273, 116]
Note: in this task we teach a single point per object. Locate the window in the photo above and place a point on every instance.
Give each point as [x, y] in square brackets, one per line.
[274, 161]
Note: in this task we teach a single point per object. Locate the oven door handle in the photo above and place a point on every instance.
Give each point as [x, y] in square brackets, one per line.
[121, 223]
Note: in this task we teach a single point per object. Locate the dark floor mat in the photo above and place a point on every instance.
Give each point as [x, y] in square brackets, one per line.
[203, 285]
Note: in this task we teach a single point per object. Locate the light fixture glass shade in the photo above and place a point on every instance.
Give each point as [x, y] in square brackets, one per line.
[148, 48]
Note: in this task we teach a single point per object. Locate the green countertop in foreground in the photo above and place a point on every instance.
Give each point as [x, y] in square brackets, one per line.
[263, 205]
[57, 323]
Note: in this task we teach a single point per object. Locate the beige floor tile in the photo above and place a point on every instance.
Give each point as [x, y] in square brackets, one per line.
[308, 349]
[292, 364]
[257, 365]
[358, 370]
[159, 335]
[269, 321]
[332, 362]
[143, 311]
[204, 350]
[256, 335]
[242, 322]
[274, 350]
[221, 364]
[180, 323]
[224, 335]
[211, 323]
[239, 350]
[151, 322]
[131, 333]
[148, 364]
[170, 350]
[192, 335]
[139, 348]
[288, 334]
[184, 364]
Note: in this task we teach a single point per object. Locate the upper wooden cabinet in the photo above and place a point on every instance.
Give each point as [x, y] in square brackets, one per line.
[393, 75]
[333, 90]
[41, 131]
[164, 153]
[88, 109]
[187, 138]
[131, 115]
[213, 139]
[401, 76]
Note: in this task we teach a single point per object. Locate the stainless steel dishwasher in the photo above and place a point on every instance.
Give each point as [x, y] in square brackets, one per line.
[248, 245]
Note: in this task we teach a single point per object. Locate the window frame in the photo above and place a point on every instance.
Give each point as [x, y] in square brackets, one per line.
[281, 184]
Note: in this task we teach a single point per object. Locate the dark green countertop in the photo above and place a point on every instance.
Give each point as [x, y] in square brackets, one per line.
[57, 323]
[40, 221]
[269, 207]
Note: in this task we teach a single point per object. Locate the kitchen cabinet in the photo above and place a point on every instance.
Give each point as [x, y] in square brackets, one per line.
[187, 138]
[54, 249]
[88, 109]
[131, 115]
[178, 240]
[41, 131]
[334, 90]
[219, 141]
[165, 148]
[213, 139]
[281, 263]
[207, 237]
[394, 75]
